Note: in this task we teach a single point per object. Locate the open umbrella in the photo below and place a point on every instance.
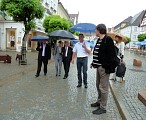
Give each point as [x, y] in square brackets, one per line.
[84, 27]
[39, 38]
[62, 34]
[138, 43]
[112, 35]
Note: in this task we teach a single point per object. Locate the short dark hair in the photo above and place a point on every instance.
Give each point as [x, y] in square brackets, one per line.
[60, 42]
[81, 34]
[101, 28]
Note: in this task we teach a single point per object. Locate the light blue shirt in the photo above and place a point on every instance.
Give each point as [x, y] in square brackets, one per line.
[79, 50]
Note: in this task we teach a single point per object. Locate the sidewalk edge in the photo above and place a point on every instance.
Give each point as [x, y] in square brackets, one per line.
[122, 110]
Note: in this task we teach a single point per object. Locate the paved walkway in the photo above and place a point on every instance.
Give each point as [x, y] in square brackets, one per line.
[126, 93]
[24, 97]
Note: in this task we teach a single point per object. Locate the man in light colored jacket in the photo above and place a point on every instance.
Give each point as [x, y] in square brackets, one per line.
[58, 58]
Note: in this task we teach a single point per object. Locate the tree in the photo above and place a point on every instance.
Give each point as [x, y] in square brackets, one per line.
[128, 40]
[25, 11]
[141, 37]
[55, 22]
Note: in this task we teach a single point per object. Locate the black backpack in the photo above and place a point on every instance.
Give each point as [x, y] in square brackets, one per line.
[121, 69]
[116, 60]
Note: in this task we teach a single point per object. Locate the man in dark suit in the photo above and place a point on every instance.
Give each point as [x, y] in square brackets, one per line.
[67, 57]
[43, 56]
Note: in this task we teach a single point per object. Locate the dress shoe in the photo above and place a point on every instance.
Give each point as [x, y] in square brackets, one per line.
[97, 104]
[65, 77]
[56, 75]
[79, 85]
[86, 86]
[37, 75]
[99, 111]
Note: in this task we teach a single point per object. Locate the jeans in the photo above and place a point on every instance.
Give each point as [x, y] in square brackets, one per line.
[82, 67]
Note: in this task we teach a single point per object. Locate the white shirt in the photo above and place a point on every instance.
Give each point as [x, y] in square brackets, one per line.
[11, 38]
[121, 47]
[66, 51]
[43, 52]
[81, 52]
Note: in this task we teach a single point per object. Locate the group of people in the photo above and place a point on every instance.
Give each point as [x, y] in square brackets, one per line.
[61, 54]
[103, 57]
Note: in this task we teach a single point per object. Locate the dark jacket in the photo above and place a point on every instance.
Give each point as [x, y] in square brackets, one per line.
[107, 54]
[69, 54]
[47, 51]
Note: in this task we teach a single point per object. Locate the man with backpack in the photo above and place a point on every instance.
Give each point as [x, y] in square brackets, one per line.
[104, 55]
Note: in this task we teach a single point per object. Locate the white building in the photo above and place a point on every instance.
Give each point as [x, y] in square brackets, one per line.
[143, 24]
[10, 29]
[130, 27]
[62, 12]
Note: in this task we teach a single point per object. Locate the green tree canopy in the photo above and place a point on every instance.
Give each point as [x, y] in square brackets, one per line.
[141, 37]
[23, 11]
[55, 22]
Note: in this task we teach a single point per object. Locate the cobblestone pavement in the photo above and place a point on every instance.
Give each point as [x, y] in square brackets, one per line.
[135, 81]
[24, 97]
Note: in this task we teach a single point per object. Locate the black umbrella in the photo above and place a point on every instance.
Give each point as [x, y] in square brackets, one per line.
[62, 34]
[39, 38]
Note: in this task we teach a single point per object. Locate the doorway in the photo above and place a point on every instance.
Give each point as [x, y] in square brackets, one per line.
[11, 38]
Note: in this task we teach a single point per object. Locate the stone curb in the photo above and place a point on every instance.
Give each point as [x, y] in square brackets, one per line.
[118, 100]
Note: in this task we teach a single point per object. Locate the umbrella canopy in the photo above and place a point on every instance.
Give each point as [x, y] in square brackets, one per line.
[84, 27]
[62, 34]
[39, 38]
[138, 43]
[112, 35]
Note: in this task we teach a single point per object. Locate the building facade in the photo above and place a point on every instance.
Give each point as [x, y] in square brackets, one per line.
[74, 18]
[14, 31]
[62, 12]
[143, 24]
[130, 27]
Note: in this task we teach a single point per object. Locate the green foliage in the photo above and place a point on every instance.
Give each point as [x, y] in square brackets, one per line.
[55, 22]
[128, 40]
[23, 11]
[141, 37]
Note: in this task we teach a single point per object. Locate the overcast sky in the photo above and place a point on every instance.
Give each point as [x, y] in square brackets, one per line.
[109, 12]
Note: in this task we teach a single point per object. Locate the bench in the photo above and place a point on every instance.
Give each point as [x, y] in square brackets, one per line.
[5, 58]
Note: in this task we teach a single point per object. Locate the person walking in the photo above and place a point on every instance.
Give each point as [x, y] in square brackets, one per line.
[103, 57]
[82, 50]
[67, 57]
[58, 58]
[44, 55]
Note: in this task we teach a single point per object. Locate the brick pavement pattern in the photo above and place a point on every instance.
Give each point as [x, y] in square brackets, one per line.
[24, 97]
[135, 81]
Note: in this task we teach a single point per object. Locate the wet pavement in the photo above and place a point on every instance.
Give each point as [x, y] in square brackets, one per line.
[24, 97]
[127, 93]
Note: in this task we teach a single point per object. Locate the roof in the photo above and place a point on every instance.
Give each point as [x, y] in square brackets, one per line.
[136, 20]
[126, 21]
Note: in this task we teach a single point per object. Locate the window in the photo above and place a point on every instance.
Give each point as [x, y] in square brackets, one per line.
[135, 29]
[134, 37]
